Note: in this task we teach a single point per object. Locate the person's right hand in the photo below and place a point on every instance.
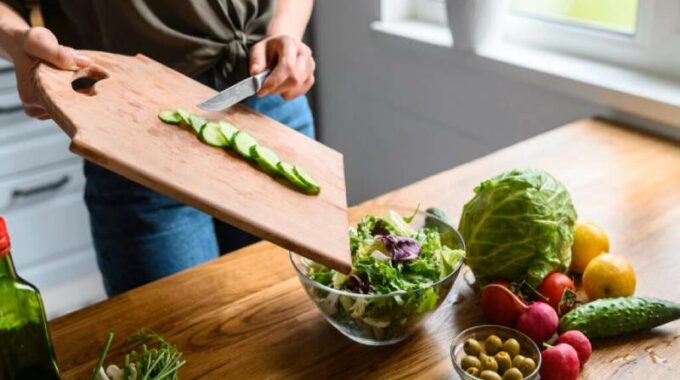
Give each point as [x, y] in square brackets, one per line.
[40, 44]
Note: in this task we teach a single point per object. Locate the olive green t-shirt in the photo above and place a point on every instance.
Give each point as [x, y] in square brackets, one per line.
[191, 36]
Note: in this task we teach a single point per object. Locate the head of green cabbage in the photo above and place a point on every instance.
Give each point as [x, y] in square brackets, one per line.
[518, 226]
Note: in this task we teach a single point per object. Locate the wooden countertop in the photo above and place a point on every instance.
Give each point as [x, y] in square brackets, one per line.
[245, 315]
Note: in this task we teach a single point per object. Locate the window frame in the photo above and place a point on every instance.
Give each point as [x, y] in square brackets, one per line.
[651, 49]
[658, 31]
[430, 11]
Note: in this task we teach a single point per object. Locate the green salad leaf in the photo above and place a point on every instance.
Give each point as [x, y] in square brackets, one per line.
[519, 226]
[389, 256]
[380, 266]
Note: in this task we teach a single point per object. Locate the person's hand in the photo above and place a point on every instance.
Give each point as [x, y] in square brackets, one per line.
[40, 44]
[291, 62]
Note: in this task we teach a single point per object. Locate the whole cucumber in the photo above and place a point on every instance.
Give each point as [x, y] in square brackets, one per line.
[609, 317]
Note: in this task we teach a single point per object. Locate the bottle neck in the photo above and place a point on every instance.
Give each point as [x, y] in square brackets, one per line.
[6, 264]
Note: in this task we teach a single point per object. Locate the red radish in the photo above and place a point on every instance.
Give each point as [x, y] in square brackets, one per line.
[580, 343]
[504, 283]
[539, 322]
[500, 305]
[559, 290]
[559, 362]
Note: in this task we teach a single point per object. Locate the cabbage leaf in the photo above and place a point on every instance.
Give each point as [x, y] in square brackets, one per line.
[518, 226]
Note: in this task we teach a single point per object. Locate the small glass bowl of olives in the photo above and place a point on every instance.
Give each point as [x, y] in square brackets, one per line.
[493, 352]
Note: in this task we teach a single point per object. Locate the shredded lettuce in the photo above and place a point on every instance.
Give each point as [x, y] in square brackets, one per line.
[388, 255]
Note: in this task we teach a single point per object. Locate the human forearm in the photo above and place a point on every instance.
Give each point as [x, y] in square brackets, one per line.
[290, 17]
[26, 47]
[12, 29]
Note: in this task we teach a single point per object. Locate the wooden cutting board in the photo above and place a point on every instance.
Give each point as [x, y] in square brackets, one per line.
[114, 124]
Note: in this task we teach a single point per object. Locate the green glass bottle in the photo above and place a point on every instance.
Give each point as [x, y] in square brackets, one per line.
[25, 348]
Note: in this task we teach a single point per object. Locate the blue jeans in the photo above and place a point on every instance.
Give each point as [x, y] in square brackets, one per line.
[141, 235]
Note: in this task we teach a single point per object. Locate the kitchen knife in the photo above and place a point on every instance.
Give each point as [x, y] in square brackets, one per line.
[234, 94]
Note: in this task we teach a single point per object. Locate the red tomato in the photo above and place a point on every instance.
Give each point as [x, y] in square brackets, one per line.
[556, 288]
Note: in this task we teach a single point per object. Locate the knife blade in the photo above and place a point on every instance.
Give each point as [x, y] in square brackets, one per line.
[234, 94]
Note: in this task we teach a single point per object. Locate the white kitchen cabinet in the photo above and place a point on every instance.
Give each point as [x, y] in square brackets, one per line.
[46, 216]
[41, 197]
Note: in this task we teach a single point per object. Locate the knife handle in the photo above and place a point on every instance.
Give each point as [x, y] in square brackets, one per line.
[259, 78]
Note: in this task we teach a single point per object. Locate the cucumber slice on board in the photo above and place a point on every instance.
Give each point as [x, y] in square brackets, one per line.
[228, 130]
[243, 143]
[169, 117]
[311, 185]
[183, 116]
[289, 172]
[211, 135]
[266, 158]
[196, 122]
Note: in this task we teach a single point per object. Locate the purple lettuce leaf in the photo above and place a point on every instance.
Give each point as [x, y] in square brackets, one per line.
[401, 248]
[379, 229]
[358, 284]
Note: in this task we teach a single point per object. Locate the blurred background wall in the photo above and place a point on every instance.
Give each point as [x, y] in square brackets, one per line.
[401, 112]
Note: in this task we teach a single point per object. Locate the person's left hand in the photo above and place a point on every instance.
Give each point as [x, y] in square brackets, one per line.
[291, 62]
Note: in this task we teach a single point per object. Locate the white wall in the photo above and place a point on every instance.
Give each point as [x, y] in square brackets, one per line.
[401, 113]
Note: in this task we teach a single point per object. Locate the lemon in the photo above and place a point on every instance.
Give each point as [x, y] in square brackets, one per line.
[590, 241]
[609, 276]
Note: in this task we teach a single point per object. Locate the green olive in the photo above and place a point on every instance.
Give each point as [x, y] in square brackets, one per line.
[513, 374]
[473, 371]
[488, 362]
[517, 360]
[470, 361]
[527, 366]
[489, 375]
[503, 360]
[472, 347]
[511, 346]
[493, 344]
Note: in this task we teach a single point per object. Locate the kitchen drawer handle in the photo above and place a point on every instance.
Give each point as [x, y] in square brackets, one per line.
[48, 187]
[11, 109]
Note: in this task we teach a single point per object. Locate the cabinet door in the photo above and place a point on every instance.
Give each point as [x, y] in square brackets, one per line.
[46, 215]
[67, 284]
[33, 153]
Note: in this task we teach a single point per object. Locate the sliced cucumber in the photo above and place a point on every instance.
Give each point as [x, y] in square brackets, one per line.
[228, 130]
[266, 158]
[196, 122]
[183, 116]
[289, 172]
[169, 117]
[223, 134]
[312, 186]
[211, 135]
[243, 142]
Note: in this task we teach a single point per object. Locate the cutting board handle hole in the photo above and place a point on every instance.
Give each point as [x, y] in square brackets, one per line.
[86, 78]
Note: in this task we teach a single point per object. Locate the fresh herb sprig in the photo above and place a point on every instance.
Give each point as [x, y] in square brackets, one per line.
[151, 358]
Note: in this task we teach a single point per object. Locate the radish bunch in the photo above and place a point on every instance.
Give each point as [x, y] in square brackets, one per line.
[500, 305]
[539, 321]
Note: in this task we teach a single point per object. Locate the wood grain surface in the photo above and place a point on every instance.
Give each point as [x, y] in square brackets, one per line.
[245, 315]
[117, 127]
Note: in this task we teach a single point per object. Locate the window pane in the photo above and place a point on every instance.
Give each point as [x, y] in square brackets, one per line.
[612, 15]
[433, 11]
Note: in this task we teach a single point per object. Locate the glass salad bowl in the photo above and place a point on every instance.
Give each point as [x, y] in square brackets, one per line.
[528, 348]
[370, 318]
